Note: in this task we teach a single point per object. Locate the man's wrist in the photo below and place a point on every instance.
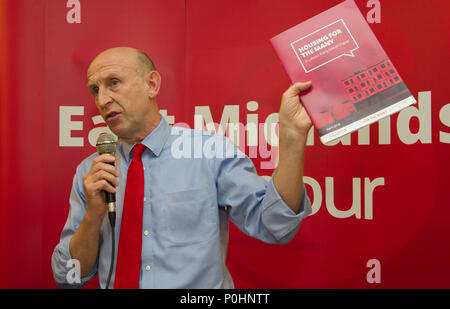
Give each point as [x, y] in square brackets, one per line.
[292, 139]
[93, 220]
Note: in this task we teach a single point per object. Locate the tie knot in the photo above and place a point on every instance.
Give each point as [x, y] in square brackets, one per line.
[138, 150]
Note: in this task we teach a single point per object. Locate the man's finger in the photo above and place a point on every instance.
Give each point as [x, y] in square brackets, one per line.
[106, 158]
[296, 88]
[105, 167]
[106, 176]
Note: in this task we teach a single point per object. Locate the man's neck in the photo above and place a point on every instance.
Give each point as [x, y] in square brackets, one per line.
[139, 137]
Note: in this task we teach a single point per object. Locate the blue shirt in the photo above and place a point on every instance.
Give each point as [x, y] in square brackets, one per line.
[194, 183]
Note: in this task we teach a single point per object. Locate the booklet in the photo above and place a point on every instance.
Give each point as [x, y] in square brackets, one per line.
[354, 83]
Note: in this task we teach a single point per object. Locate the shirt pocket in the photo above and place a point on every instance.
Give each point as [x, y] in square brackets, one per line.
[190, 216]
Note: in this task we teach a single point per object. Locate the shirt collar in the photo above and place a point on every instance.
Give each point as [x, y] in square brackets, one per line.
[154, 141]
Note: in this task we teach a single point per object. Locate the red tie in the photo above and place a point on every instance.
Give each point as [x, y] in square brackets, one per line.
[128, 264]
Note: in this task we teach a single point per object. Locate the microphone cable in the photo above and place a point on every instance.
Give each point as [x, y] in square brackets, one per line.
[112, 221]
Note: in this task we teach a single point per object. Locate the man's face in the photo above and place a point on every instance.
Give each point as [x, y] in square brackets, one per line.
[120, 92]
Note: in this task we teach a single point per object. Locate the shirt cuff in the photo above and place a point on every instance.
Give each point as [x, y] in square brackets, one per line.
[278, 218]
[63, 267]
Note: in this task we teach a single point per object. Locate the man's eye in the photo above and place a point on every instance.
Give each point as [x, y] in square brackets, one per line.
[95, 90]
[114, 82]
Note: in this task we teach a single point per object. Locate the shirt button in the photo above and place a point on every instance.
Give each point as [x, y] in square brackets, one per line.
[145, 199]
[147, 268]
[146, 233]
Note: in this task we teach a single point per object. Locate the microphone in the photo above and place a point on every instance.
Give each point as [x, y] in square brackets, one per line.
[106, 143]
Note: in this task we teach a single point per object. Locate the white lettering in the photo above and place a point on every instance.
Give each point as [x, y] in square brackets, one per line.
[95, 132]
[423, 114]
[369, 187]
[73, 275]
[66, 126]
[181, 146]
[355, 209]
[260, 140]
[252, 124]
[170, 119]
[444, 117]
[317, 193]
[374, 15]
[374, 274]
[384, 133]
[230, 117]
[73, 16]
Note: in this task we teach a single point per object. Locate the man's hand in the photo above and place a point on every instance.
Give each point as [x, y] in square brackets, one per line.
[294, 121]
[294, 126]
[85, 242]
[101, 177]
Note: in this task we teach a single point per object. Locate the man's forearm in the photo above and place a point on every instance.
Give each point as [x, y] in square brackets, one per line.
[288, 176]
[85, 243]
[293, 131]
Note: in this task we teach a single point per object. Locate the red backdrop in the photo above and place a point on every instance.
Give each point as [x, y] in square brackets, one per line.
[216, 55]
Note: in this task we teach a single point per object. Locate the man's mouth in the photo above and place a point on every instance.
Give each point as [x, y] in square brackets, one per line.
[112, 115]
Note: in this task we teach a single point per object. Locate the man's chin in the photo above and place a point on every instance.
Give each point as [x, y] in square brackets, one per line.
[117, 130]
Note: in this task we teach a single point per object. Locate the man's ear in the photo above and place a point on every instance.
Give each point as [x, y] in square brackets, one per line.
[153, 80]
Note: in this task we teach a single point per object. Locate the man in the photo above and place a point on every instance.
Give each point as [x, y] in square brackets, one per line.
[183, 231]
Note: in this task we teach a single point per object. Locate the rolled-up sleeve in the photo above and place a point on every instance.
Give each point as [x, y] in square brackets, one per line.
[254, 205]
[278, 218]
[62, 263]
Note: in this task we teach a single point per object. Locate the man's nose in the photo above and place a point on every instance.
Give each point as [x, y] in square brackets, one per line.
[104, 97]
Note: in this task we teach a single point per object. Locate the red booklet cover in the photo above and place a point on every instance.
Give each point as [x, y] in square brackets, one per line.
[354, 82]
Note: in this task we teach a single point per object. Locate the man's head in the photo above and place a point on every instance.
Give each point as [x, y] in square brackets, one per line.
[125, 85]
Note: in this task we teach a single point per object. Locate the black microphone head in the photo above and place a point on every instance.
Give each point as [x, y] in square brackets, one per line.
[106, 143]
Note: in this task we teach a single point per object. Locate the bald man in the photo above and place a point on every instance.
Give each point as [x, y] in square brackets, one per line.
[188, 200]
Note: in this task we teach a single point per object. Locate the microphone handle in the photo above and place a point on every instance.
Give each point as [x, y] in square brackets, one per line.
[110, 197]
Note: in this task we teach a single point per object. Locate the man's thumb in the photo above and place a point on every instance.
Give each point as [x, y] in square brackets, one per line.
[298, 87]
